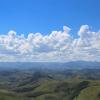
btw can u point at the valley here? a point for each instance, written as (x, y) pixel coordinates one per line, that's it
(46, 83)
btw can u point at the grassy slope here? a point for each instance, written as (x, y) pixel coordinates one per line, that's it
(90, 93)
(42, 86)
(7, 95)
(56, 90)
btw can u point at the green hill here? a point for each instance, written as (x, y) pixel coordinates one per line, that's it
(90, 93)
(50, 85)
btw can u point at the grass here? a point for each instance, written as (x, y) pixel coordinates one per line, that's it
(42, 86)
(90, 93)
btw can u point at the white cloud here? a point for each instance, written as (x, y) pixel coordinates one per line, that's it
(57, 46)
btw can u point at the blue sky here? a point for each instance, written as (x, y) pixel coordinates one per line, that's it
(44, 16)
(69, 30)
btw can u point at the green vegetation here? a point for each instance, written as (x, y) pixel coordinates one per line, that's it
(33, 84)
(90, 93)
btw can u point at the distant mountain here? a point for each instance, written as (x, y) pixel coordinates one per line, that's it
(49, 65)
(50, 81)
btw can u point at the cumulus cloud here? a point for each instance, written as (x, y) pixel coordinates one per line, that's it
(57, 46)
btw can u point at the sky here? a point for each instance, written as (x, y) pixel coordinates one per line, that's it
(49, 30)
(44, 16)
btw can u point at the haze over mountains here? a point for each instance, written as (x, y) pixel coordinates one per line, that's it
(50, 65)
(50, 80)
